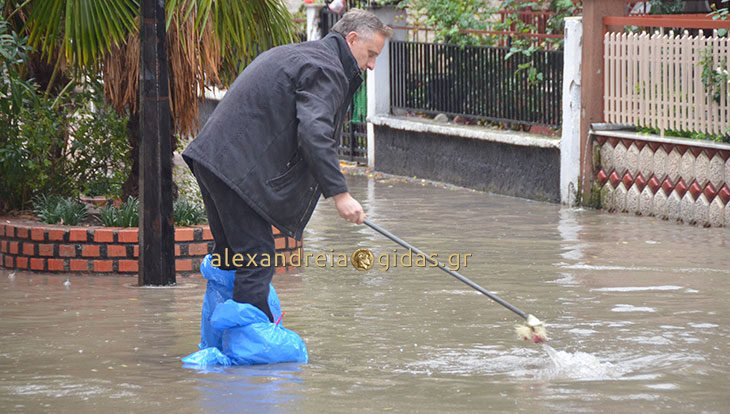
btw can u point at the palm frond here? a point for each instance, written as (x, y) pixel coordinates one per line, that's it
(88, 28)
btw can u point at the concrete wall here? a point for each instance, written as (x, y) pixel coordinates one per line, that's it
(570, 140)
(502, 162)
(673, 179)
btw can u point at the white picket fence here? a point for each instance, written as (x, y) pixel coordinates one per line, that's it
(655, 81)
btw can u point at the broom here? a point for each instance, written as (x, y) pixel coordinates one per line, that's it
(533, 328)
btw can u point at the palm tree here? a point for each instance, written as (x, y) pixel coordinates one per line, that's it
(208, 43)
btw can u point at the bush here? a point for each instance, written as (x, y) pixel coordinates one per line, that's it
(17, 161)
(55, 209)
(54, 145)
(187, 213)
(99, 148)
(127, 215)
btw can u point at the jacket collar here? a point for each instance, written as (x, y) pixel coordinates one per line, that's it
(337, 43)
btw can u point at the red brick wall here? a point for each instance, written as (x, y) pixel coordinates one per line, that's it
(102, 250)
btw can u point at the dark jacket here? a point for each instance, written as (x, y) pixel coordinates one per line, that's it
(273, 138)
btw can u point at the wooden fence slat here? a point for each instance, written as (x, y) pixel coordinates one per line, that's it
(723, 113)
(607, 74)
(674, 79)
(685, 73)
(633, 79)
(625, 89)
(701, 98)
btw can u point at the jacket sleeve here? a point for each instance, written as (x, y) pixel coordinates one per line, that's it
(320, 92)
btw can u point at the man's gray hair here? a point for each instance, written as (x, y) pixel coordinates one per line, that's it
(362, 22)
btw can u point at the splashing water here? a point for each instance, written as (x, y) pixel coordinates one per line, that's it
(578, 366)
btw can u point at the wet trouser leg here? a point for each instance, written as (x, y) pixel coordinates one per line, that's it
(238, 230)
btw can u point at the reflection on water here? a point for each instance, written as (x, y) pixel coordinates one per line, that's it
(636, 311)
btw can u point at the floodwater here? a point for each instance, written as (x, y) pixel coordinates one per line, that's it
(636, 311)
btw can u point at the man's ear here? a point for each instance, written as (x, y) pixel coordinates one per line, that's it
(351, 37)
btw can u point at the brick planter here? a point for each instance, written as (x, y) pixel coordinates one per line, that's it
(28, 245)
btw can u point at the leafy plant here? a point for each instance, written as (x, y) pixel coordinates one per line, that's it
(56, 209)
(666, 6)
(715, 75)
(98, 146)
(722, 13)
(527, 45)
(126, 215)
(53, 145)
(449, 18)
(686, 134)
(16, 95)
(187, 213)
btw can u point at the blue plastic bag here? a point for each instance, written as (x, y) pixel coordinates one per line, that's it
(249, 338)
(206, 357)
(243, 343)
(219, 289)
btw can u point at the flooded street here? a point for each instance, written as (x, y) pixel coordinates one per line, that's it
(636, 312)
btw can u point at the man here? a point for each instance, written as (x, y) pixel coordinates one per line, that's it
(269, 150)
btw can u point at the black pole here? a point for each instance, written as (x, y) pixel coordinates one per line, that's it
(156, 231)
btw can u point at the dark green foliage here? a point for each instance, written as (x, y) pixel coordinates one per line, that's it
(61, 145)
(16, 94)
(721, 13)
(56, 209)
(448, 17)
(666, 6)
(127, 215)
(714, 77)
(686, 134)
(187, 213)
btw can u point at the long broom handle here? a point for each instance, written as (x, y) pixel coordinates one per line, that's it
(451, 272)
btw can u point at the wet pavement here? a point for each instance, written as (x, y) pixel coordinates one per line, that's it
(636, 311)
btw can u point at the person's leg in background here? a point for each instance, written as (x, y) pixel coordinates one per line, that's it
(239, 229)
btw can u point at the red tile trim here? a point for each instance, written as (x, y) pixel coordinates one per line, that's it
(724, 195)
(710, 192)
(695, 190)
(681, 188)
(640, 182)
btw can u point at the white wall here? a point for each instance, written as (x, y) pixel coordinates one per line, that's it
(570, 140)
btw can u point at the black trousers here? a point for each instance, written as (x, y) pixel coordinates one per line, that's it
(238, 230)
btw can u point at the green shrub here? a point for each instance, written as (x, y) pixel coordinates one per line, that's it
(99, 148)
(62, 144)
(56, 209)
(685, 134)
(17, 161)
(187, 213)
(127, 215)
